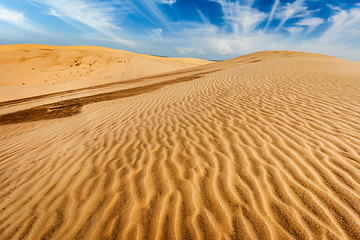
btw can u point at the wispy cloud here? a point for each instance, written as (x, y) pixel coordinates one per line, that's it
(290, 10)
(221, 45)
(242, 18)
(246, 36)
(200, 51)
(271, 16)
(16, 18)
(311, 23)
(202, 16)
(219, 28)
(294, 31)
(11, 16)
(343, 23)
(96, 15)
(186, 50)
(156, 35)
(170, 2)
(153, 9)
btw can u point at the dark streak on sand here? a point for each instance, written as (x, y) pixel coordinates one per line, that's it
(17, 101)
(72, 107)
(252, 61)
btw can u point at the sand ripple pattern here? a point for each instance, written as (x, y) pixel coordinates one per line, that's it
(261, 150)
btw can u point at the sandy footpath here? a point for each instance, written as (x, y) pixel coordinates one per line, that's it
(264, 146)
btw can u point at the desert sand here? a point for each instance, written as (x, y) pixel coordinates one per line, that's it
(264, 146)
(32, 69)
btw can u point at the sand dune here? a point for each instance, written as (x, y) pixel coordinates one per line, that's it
(27, 64)
(264, 146)
(30, 69)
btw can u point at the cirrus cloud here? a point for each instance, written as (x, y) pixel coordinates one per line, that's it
(219, 28)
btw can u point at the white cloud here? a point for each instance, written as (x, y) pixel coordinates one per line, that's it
(332, 49)
(157, 32)
(239, 34)
(246, 2)
(294, 31)
(217, 40)
(152, 7)
(221, 46)
(197, 29)
(17, 19)
(202, 16)
(11, 16)
(276, 3)
(311, 23)
(170, 2)
(185, 50)
(344, 23)
(290, 10)
(156, 35)
(200, 51)
(94, 14)
(242, 18)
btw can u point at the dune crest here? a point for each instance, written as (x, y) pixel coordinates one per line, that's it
(264, 146)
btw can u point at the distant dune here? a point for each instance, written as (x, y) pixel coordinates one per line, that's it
(76, 66)
(264, 146)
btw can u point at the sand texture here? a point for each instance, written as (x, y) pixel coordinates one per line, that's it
(264, 146)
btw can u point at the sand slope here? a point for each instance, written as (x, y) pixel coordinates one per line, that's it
(265, 146)
(31, 64)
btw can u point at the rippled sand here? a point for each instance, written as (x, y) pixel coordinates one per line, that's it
(265, 146)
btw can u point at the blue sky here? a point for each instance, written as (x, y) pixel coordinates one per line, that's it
(208, 29)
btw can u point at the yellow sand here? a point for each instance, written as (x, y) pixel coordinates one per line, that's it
(26, 67)
(264, 146)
